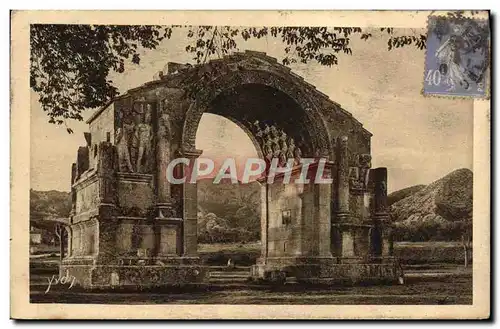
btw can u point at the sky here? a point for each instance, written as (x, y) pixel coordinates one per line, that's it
(419, 139)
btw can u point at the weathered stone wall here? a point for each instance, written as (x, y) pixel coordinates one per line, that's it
(101, 130)
(87, 195)
(168, 240)
(85, 238)
(124, 237)
(342, 123)
(358, 209)
(299, 217)
(135, 194)
(288, 205)
(102, 126)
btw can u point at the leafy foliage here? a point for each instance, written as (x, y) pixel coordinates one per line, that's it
(70, 64)
(303, 44)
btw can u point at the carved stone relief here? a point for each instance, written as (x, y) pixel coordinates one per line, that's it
(275, 143)
(358, 172)
(134, 138)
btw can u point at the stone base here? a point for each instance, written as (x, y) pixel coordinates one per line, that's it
(329, 270)
(174, 271)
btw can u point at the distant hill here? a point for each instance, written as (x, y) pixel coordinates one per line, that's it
(52, 203)
(428, 211)
(228, 207)
(419, 212)
(47, 208)
(401, 194)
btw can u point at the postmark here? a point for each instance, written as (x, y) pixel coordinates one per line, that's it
(457, 58)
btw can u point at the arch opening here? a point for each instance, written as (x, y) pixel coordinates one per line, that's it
(267, 96)
(228, 214)
(266, 113)
(278, 127)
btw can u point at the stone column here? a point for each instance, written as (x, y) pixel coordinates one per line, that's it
(375, 236)
(348, 243)
(343, 180)
(69, 244)
(344, 246)
(362, 242)
(163, 157)
(73, 191)
(387, 243)
(190, 218)
(263, 217)
(336, 241)
(103, 242)
(324, 220)
(380, 217)
(378, 179)
(106, 171)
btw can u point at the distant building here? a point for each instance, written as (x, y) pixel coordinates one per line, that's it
(35, 235)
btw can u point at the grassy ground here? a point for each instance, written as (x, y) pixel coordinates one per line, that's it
(427, 244)
(429, 252)
(215, 247)
(409, 253)
(450, 290)
(431, 279)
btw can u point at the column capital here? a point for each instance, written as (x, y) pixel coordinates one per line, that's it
(382, 218)
(165, 210)
(189, 153)
(341, 217)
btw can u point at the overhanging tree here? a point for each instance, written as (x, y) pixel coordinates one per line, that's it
(70, 64)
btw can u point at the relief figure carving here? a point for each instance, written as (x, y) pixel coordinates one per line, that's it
(142, 139)
(123, 136)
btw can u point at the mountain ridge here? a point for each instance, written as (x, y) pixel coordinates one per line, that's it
(430, 211)
(419, 212)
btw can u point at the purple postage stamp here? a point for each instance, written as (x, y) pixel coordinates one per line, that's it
(457, 58)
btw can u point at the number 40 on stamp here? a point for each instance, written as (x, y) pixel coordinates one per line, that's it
(457, 58)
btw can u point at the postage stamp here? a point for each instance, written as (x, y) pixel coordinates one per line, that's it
(456, 63)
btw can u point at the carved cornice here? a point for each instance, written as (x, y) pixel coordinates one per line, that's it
(189, 153)
(135, 212)
(85, 216)
(134, 177)
(86, 179)
(347, 226)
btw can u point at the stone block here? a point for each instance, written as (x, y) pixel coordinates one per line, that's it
(147, 237)
(135, 277)
(168, 240)
(347, 244)
(135, 194)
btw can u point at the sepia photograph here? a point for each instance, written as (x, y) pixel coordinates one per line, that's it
(242, 159)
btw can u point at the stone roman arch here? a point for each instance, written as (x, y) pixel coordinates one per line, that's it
(293, 89)
(143, 229)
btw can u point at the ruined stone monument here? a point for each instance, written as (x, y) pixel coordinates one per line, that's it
(130, 226)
